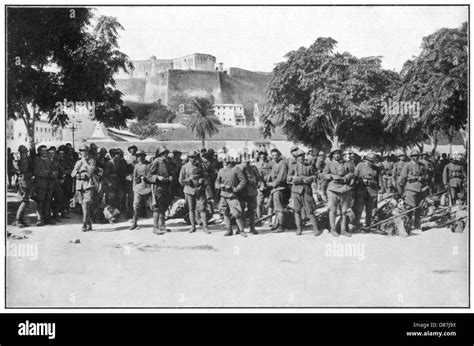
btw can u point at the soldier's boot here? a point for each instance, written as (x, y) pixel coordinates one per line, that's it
(299, 223)
(279, 228)
(156, 224)
(192, 219)
(241, 226)
(204, 223)
(314, 222)
(85, 218)
(134, 220)
(252, 222)
(228, 226)
(161, 223)
(89, 218)
(332, 223)
(344, 226)
(20, 216)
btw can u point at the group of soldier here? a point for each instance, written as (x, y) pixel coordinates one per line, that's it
(245, 188)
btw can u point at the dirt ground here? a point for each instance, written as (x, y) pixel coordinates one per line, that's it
(115, 267)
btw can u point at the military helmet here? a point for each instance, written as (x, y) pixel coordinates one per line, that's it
(84, 147)
(371, 157)
(193, 153)
(163, 151)
(321, 153)
(333, 150)
(414, 152)
(93, 146)
(22, 149)
(298, 153)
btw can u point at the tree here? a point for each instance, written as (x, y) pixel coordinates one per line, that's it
(437, 80)
(148, 115)
(203, 122)
(321, 98)
(52, 56)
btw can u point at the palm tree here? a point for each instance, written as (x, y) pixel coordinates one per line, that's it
(203, 122)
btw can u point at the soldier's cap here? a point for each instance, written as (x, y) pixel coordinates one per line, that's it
(263, 152)
(414, 152)
(294, 148)
(141, 153)
(103, 150)
(93, 146)
(62, 147)
(162, 151)
(298, 153)
(52, 148)
(321, 153)
(132, 147)
(333, 150)
(119, 151)
(211, 151)
(193, 153)
(112, 151)
(371, 157)
(22, 149)
(84, 147)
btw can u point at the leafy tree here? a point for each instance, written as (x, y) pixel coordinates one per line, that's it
(54, 55)
(437, 80)
(148, 115)
(321, 98)
(203, 123)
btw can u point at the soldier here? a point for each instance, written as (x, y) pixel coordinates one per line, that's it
(67, 166)
(264, 167)
(83, 172)
(176, 164)
(339, 173)
(231, 182)
(43, 185)
(397, 171)
(291, 161)
(141, 186)
(160, 176)
(249, 194)
(425, 159)
(413, 180)
(301, 176)
(367, 175)
(114, 178)
(386, 175)
(454, 179)
(210, 176)
(131, 160)
(192, 178)
(23, 166)
(279, 186)
(321, 185)
(58, 175)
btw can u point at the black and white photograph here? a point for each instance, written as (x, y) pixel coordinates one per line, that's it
(221, 156)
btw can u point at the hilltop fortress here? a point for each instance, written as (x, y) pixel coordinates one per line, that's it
(176, 82)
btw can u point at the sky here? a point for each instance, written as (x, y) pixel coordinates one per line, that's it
(256, 38)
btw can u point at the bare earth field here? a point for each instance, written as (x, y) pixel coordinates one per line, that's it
(115, 267)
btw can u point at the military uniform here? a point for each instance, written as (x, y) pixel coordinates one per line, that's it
(131, 161)
(231, 181)
(249, 194)
(278, 197)
(430, 171)
(24, 170)
(160, 176)
(413, 180)
(192, 178)
(396, 173)
(454, 177)
(386, 177)
(58, 194)
(301, 176)
(264, 168)
(114, 178)
(367, 187)
(44, 188)
(83, 172)
(339, 174)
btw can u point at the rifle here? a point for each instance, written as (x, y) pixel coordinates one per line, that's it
(448, 222)
(392, 218)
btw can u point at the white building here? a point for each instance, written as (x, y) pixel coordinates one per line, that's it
(45, 133)
(230, 114)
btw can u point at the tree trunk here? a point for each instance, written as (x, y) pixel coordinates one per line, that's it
(465, 137)
(434, 142)
(203, 141)
(420, 147)
(334, 141)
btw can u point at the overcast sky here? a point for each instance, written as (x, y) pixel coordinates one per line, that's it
(256, 38)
